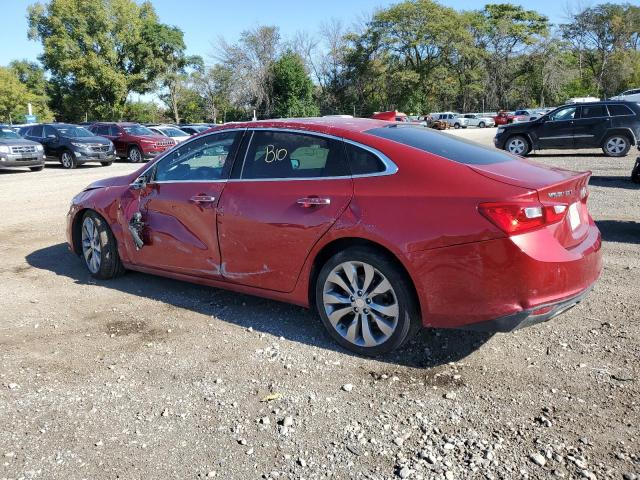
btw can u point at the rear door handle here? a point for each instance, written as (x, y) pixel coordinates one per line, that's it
(308, 202)
(203, 199)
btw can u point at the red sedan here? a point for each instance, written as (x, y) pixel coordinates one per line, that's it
(383, 228)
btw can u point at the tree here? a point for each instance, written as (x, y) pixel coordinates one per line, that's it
(100, 51)
(15, 96)
(32, 76)
(142, 112)
(602, 36)
(292, 88)
(215, 85)
(250, 60)
(176, 78)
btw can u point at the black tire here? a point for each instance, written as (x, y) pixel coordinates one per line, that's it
(68, 160)
(635, 173)
(110, 265)
(106, 164)
(515, 142)
(481, 125)
(36, 169)
(456, 126)
(616, 145)
(408, 321)
(135, 155)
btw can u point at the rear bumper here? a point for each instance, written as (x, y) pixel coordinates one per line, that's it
(504, 281)
(526, 318)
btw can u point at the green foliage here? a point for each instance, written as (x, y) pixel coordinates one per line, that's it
(98, 51)
(292, 88)
(16, 94)
(143, 112)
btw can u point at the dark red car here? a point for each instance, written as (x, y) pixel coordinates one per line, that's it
(132, 140)
(383, 228)
(503, 118)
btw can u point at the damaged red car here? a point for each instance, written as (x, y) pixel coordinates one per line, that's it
(382, 228)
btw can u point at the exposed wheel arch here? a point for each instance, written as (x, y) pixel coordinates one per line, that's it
(339, 244)
(76, 228)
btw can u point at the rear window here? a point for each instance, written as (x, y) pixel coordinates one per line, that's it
(363, 162)
(442, 144)
(619, 110)
(592, 111)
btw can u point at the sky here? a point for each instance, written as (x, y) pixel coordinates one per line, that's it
(204, 21)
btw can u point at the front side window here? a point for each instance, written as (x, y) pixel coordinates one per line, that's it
(619, 110)
(50, 132)
(593, 111)
(563, 114)
(205, 159)
(275, 155)
(36, 131)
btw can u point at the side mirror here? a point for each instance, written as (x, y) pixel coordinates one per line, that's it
(140, 183)
(52, 136)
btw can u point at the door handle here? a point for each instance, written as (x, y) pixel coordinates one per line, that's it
(203, 198)
(308, 202)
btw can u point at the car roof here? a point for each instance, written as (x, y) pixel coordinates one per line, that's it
(328, 125)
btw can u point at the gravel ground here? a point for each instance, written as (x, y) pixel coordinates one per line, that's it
(144, 377)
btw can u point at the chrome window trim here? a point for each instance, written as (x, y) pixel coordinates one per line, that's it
(181, 144)
(390, 167)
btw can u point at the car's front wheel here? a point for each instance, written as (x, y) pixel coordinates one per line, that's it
(366, 302)
(99, 249)
(481, 125)
(106, 164)
(135, 155)
(67, 160)
(517, 145)
(456, 125)
(616, 146)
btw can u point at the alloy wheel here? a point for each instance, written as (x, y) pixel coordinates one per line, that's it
(67, 160)
(516, 146)
(91, 248)
(361, 304)
(135, 155)
(616, 145)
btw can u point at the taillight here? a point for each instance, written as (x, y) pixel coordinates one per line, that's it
(519, 217)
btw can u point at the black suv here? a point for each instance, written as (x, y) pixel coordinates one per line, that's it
(611, 125)
(70, 144)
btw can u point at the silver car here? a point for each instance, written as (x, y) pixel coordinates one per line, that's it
(454, 119)
(479, 120)
(15, 151)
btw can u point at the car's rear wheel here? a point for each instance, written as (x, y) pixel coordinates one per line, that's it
(481, 125)
(99, 249)
(517, 145)
(36, 169)
(456, 125)
(135, 155)
(68, 160)
(366, 302)
(616, 145)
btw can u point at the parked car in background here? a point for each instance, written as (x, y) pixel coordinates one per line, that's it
(632, 95)
(170, 131)
(635, 172)
(523, 115)
(391, 116)
(479, 120)
(367, 221)
(612, 125)
(454, 119)
(583, 100)
(16, 151)
(132, 140)
(503, 118)
(194, 129)
(70, 144)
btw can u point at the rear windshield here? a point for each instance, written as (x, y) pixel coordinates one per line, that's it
(442, 144)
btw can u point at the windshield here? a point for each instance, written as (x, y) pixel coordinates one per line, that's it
(73, 131)
(8, 133)
(173, 132)
(138, 130)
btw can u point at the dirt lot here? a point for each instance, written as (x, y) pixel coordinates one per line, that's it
(144, 377)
